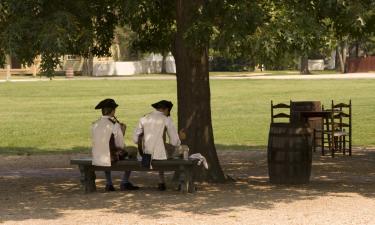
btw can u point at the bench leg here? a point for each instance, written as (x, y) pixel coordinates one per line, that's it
(87, 179)
(189, 179)
(187, 183)
(176, 176)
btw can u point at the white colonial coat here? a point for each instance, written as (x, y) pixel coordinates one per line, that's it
(152, 126)
(101, 131)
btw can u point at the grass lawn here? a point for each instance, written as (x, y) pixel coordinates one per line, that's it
(49, 116)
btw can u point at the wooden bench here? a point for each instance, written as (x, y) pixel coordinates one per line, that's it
(183, 167)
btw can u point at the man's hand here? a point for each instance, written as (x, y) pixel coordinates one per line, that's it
(123, 128)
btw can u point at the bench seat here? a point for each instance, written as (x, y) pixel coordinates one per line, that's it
(182, 167)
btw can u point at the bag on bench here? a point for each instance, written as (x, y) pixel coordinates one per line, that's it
(116, 153)
(146, 161)
(146, 158)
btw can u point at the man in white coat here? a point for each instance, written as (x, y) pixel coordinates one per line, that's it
(102, 131)
(152, 127)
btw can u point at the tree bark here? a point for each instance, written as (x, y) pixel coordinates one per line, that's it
(88, 66)
(193, 92)
(163, 61)
(342, 52)
(304, 65)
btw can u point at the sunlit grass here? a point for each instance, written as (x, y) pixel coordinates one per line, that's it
(55, 116)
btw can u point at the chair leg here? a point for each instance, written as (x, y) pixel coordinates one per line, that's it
(350, 145)
(330, 144)
(334, 145)
(313, 139)
(322, 143)
(344, 145)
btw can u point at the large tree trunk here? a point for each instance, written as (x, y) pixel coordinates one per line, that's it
(304, 65)
(193, 92)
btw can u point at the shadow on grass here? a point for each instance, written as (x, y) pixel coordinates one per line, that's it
(240, 147)
(39, 151)
(50, 197)
(81, 149)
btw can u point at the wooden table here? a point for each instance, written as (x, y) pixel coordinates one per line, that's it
(296, 107)
(315, 114)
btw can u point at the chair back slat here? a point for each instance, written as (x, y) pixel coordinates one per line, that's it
(281, 106)
(280, 115)
(341, 114)
(345, 125)
(341, 105)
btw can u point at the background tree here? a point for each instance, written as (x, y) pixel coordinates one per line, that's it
(125, 38)
(153, 24)
(55, 28)
(307, 28)
(345, 21)
(289, 33)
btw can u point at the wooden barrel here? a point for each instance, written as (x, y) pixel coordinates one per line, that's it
(289, 153)
(69, 72)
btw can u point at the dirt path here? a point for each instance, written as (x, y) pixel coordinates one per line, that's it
(45, 190)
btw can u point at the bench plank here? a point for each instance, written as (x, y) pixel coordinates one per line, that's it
(185, 167)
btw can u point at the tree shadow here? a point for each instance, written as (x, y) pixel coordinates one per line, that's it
(240, 147)
(49, 197)
(33, 150)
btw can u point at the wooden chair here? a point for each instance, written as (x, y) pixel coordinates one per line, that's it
(336, 129)
(281, 115)
(342, 122)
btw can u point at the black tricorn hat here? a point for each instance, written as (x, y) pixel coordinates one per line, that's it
(163, 104)
(106, 103)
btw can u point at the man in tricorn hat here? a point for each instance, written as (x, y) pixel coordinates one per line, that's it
(105, 130)
(152, 127)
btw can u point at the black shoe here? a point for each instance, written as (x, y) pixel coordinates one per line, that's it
(162, 187)
(109, 188)
(128, 186)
